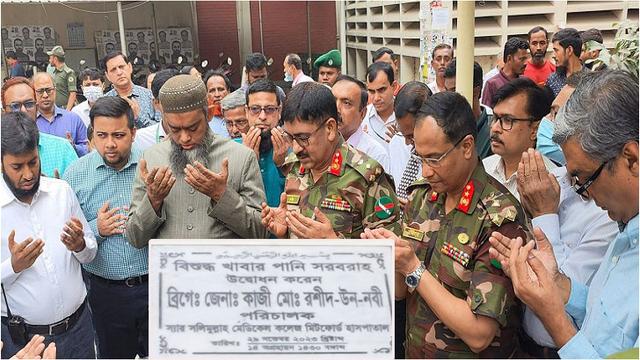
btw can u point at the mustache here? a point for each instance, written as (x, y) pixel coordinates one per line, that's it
(495, 137)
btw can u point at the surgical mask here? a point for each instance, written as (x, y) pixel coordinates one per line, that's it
(288, 76)
(92, 93)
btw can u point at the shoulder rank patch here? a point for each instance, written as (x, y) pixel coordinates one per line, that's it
(293, 199)
(335, 202)
(411, 233)
(467, 195)
(336, 163)
(455, 254)
(384, 207)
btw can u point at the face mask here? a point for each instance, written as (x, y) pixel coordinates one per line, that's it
(288, 76)
(92, 93)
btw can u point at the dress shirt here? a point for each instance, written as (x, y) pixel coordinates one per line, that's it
(376, 127)
(545, 144)
(368, 145)
(300, 78)
(606, 312)
(218, 126)
(144, 97)
(95, 183)
(83, 110)
(495, 167)
(580, 234)
(65, 122)
(433, 86)
(149, 136)
(55, 154)
(401, 153)
(52, 288)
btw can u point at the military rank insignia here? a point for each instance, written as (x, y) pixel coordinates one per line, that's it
(293, 199)
(336, 163)
(467, 195)
(463, 238)
(384, 207)
(433, 197)
(456, 254)
(411, 233)
(335, 202)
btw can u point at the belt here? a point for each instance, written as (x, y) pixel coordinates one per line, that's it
(128, 282)
(56, 328)
(538, 351)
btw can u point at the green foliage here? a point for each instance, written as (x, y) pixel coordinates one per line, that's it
(624, 55)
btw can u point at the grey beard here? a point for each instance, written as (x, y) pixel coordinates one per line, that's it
(179, 157)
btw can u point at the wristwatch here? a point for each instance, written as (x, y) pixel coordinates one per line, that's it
(413, 279)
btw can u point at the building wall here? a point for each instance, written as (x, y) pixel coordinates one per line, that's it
(396, 24)
(217, 32)
(284, 29)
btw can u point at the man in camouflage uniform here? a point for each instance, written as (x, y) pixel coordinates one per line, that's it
(332, 190)
(459, 305)
(64, 79)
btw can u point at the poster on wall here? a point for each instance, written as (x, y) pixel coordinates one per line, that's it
(172, 43)
(435, 27)
(29, 42)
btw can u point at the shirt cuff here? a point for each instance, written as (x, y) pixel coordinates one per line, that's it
(577, 304)
(219, 209)
(579, 347)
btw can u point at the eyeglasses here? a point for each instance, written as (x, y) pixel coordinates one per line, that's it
(303, 139)
(238, 124)
(17, 106)
(432, 162)
(48, 90)
(506, 121)
(581, 189)
(256, 110)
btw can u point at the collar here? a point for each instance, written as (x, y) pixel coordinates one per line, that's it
(471, 194)
(7, 197)
(97, 161)
(56, 112)
(298, 77)
(337, 165)
(505, 75)
(356, 137)
(630, 230)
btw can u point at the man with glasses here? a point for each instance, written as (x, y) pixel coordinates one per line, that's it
(600, 142)
(332, 190)
(57, 121)
(265, 138)
(234, 114)
(579, 230)
(520, 105)
(459, 304)
(56, 154)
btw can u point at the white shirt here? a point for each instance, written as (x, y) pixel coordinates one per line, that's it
(52, 288)
(400, 153)
(433, 86)
(301, 78)
(83, 110)
(368, 145)
(149, 136)
(580, 234)
(494, 166)
(376, 127)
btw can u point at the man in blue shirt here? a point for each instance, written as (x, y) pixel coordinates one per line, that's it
(600, 142)
(15, 68)
(118, 70)
(118, 278)
(264, 138)
(57, 121)
(55, 153)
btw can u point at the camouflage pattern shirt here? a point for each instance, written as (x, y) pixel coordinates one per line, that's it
(460, 261)
(354, 193)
